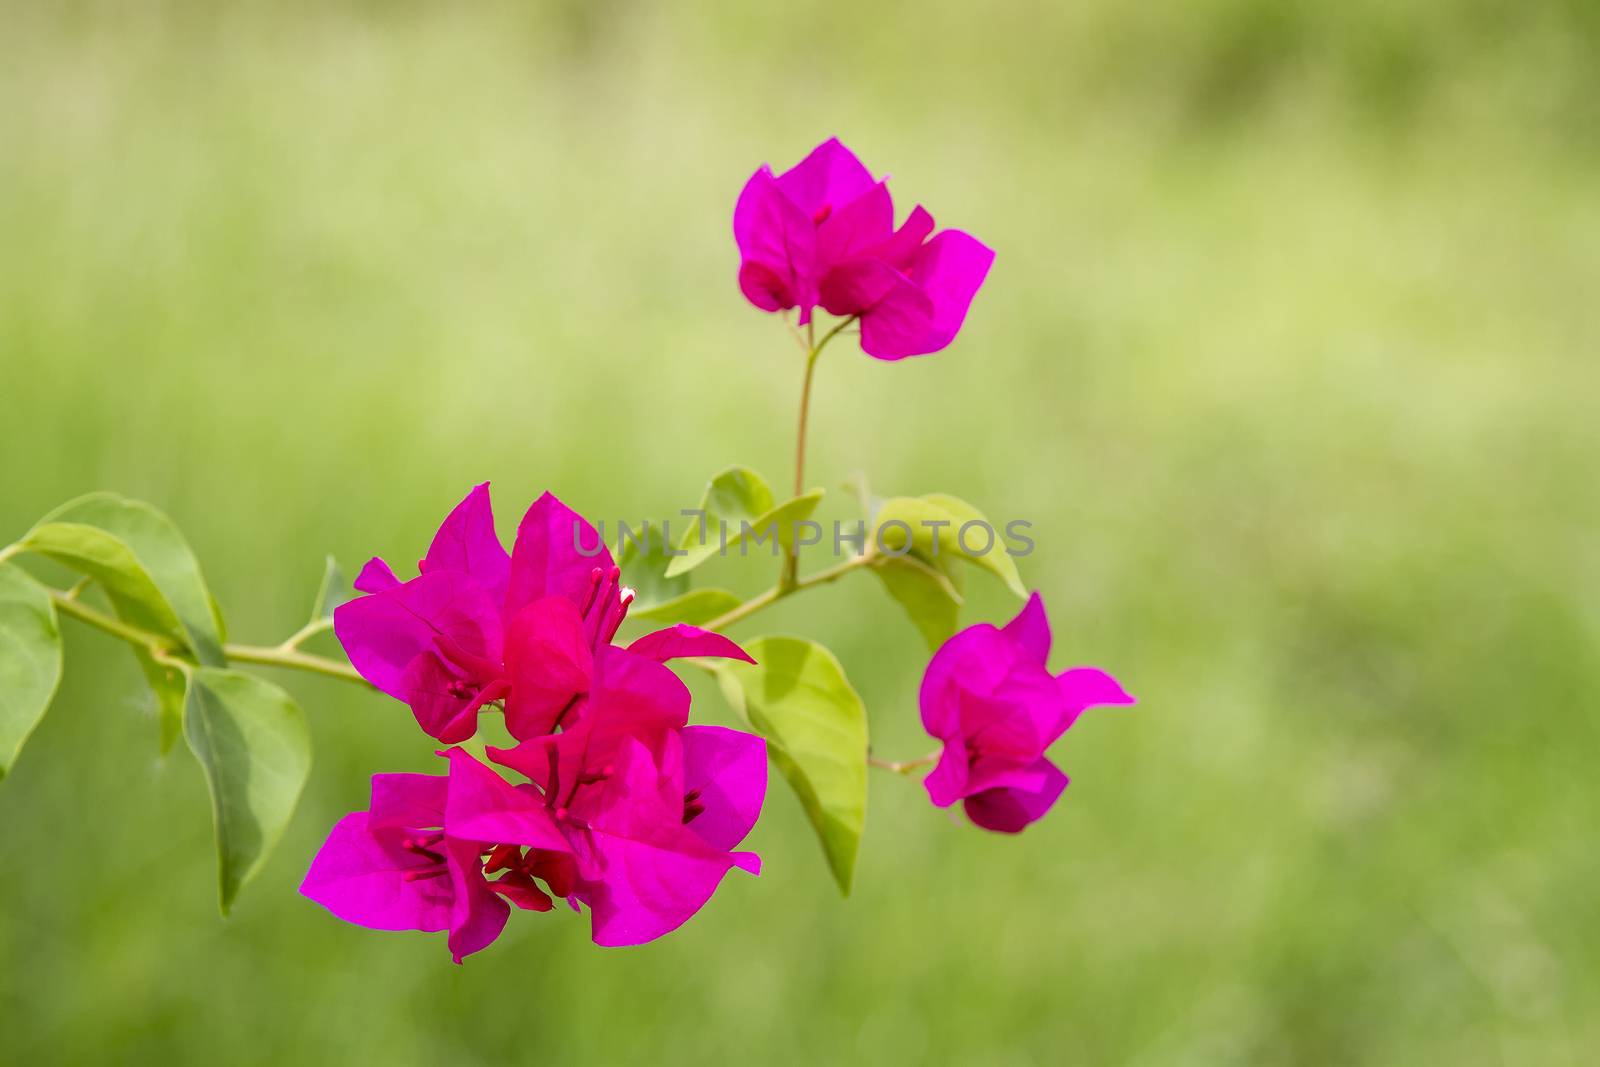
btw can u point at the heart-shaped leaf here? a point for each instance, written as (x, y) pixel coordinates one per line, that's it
(929, 596)
(251, 740)
(939, 525)
(795, 695)
(737, 505)
(125, 546)
(30, 659)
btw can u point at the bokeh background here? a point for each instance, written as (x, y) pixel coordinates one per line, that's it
(1289, 354)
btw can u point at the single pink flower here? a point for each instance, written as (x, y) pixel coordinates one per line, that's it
(988, 695)
(651, 808)
(823, 233)
(479, 625)
(405, 864)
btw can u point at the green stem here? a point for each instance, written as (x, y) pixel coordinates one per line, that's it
(152, 643)
(306, 633)
(902, 766)
(165, 650)
(9, 551)
(293, 659)
(781, 590)
(791, 560)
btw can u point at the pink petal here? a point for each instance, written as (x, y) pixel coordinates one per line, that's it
(556, 554)
(483, 807)
(860, 285)
(375, 577)
(855, 227)
(521, 890)
(950, 268)
(681, 639)
(1031, 629)
(407, 801)
(727, 769)
(445, 612)
(432, 689)
(467, 542)
(900, 249)
(359, 874)
(1086, 687)
(777, 246)
(549, 664)
(1011, 810)
(1018, 720)
(925, 313)
(898, 324)
(976, 659)
(828, 178)
(635, 693)
(478, 914)
(947, 782)
(650, 888)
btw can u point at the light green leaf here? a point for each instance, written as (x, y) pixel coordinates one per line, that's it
(151, 578)
(735, 499)
(161, 552)
(786, 515)
(934, 524)
(795, 695)
(930, 598)
(644, 569)
(334, 590)
(30, 659)
(252, 743)
(696, 607)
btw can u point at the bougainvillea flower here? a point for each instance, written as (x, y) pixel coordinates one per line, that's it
(479, 626)
(823, 233)
(911, 301)
(402, 864)
(988, 695)
(651, 808)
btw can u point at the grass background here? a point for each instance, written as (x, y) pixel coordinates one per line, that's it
(1289, 354)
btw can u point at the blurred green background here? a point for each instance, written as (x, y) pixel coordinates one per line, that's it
(1289, 354)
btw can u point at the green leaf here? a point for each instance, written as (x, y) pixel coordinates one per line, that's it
(161, 553)
(696, 607)
(644, 570)
(334, 590)
(795, 695)
(252, 743)
(30, 659)
(934, 523)
(151, 578)
(930, 598)
(737, 501)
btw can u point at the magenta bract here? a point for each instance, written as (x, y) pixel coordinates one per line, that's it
(626, 809)
(989, 697)
(822, 233)
(479, 626)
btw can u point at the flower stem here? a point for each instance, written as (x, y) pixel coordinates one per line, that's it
(902, 766)
(791, 560)
(165, 650)
(781, 590)
(805, 411)
(305, 633)
(293, 659)
(68, 604)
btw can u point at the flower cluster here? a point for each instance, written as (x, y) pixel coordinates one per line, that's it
(823, 234)
(619, 806)
(989, 697)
